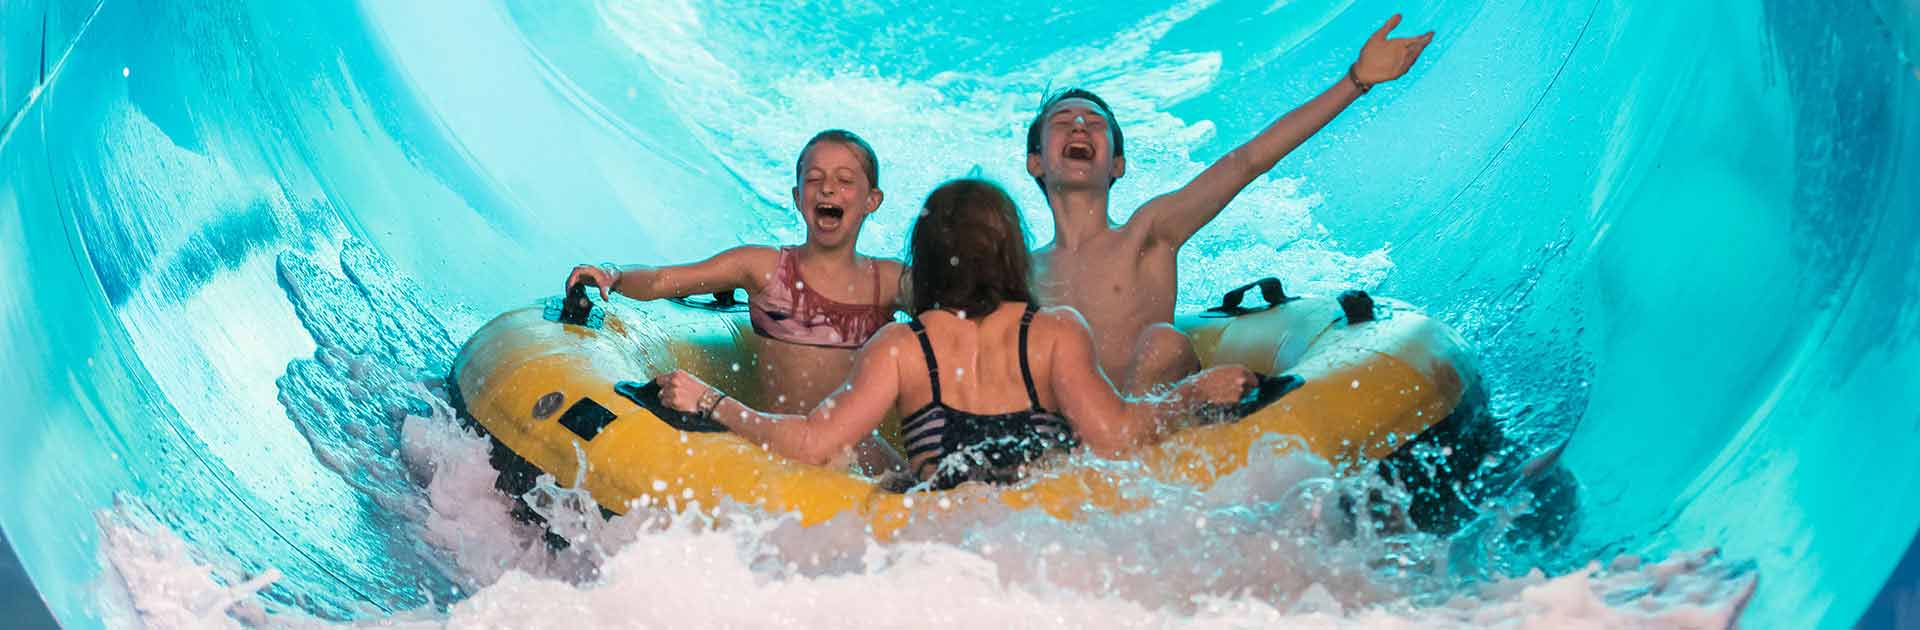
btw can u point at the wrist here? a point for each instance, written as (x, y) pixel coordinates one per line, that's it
(613, 274)
(1353, 78)
(709, 401)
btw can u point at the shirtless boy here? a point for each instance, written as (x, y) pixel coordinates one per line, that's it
(1122, 278)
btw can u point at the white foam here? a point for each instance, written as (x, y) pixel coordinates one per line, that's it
(1267, 546)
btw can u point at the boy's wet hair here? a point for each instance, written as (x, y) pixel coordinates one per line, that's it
(868, 158)
(968, 250)
(1033, 128)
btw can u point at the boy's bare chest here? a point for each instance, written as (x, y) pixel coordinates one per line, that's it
(1102, 276)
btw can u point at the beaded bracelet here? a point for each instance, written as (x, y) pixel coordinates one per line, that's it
(1363, 87)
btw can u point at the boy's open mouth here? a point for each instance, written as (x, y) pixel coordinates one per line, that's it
(829, 211)
(1077, 151)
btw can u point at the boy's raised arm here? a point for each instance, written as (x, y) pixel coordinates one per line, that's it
(1174, 217)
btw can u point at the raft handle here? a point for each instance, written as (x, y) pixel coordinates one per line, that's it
(1266, 391)
(722, 302)
(576, 307)
(1358, 306)
(1270, 290)
(648, 396)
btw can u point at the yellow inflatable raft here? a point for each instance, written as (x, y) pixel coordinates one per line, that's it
(567, 399)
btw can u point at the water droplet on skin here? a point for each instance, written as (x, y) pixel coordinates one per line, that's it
(799, 284)
(1356, 383)
(735, 367)
(953, 261)
(687, 494)
(659, 486)
(907, 502)
(946, 503)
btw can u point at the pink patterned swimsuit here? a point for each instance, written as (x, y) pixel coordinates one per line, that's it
(789, 310)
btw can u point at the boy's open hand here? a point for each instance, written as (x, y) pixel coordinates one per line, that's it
(1383, 59)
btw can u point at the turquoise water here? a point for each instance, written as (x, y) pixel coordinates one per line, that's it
(237, 234)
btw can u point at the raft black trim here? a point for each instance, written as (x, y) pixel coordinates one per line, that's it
(722, 302)
(586, 418)
(648, 396)
(1270, 290)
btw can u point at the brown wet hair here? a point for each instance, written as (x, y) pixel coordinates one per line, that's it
(868, 158)
(968, 251)
(1033, 128)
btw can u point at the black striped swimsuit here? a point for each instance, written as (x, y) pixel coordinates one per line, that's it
(960, 447)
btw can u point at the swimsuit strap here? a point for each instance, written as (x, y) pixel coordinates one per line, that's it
(933, 367)
(789, 268)
(1026, 373)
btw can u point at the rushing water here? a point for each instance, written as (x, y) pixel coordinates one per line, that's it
(243, 240)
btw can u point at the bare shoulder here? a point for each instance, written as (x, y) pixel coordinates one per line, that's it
(1062, 322)
(1143, 227)
(755, 256)
(755, 262)
(889, 340)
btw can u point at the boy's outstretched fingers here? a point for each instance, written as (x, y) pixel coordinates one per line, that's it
(1381, 35)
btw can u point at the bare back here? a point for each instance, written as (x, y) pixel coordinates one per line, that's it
(979, 361)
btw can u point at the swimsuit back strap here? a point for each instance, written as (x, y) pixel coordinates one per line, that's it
(1026, 372)
(926, 348)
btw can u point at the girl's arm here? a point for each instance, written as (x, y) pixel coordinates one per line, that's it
(725, 271)
(847, 416)
(1113, 426)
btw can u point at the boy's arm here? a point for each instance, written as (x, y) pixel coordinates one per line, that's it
(724, 271)
(1174, 217)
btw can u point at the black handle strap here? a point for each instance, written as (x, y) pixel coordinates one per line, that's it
(1358, 307)
(1266, 391)
(1270, 290)
(722, 302)
(576, 306)
(648, 396)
